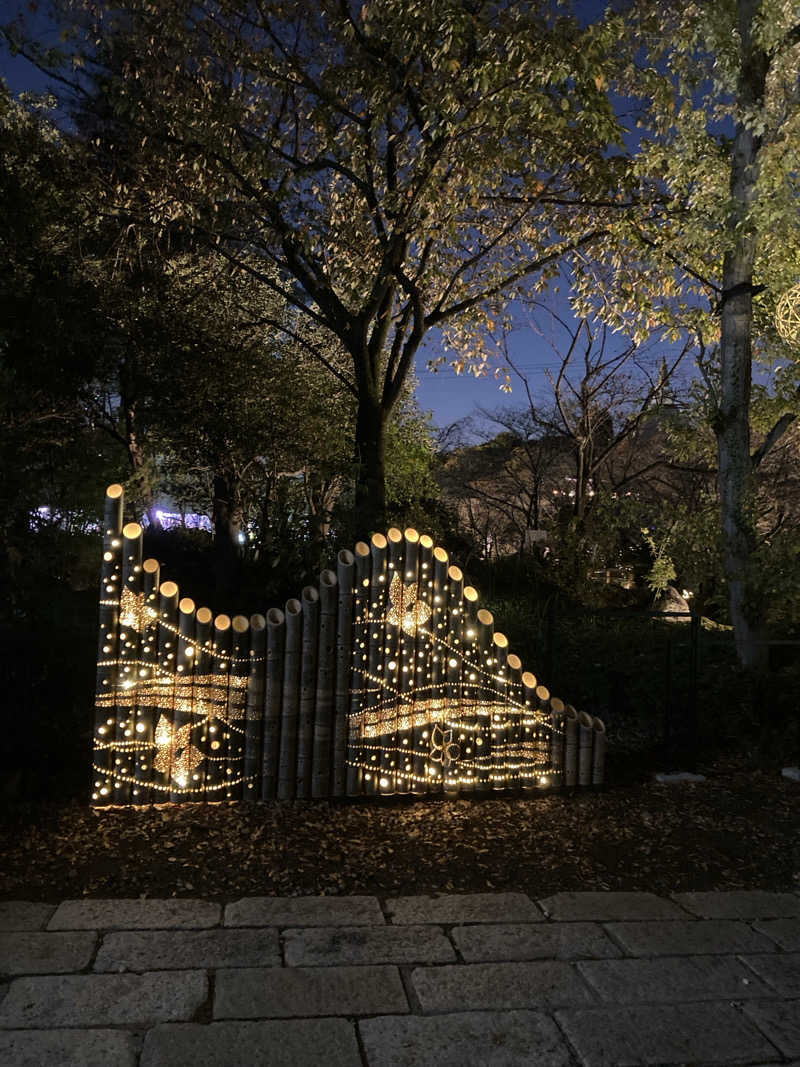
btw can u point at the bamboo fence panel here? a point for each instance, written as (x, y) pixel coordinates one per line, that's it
(290, 701)
(251, 790)
(272, 742)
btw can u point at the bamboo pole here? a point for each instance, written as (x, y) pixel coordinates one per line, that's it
(557, 723)
(148, 686)
(441, 739)
(499, 727)
(290, 701)
(183, 717)
(599, 751)
(584, 749)
(356, 754)
(217, 763)
(483, 735)
(434, 690)
(545, 745)
(514, 737)
(163, 713)
(236, 726)
(326, 684)
(308, 690)
(469, 700)
(345, 571)
(374, 696)
(273, 696)
(409, 740)
(570, 747)
(530, 732)
(131, 622)
(411, 661)
(202, 668)
(107, 647)
(392, 658)
(251, 788)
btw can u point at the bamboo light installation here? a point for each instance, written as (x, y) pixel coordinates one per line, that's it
(387, 678)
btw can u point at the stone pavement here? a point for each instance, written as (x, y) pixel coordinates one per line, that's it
(496, 979)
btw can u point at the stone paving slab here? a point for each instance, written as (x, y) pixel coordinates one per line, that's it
(781, 971)
(288, 1043)
(24, 915)
(498, 986)
(552, 941)
(609, 906)
(690, 938)
(363, 945)
(684, 1034)
(452, 908)
(784, 932)
(103, 1000)
(672, 979)
(68, 1048)
(134, 915)
(476, 1039)
(289, 992)
(305, 911)
(780, 1021)
(46, 953)
(740, 904)
(167, 950)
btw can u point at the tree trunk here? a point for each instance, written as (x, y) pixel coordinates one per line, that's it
(733, 419)
(370, 506)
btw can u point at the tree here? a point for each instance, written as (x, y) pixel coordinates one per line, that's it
(398, 167)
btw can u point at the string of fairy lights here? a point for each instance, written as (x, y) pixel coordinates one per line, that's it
(434, 701)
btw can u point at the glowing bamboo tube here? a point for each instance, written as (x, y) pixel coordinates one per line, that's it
(251, 788)
(344, 650)
(308, 690)
(377, 598)
(148, 686)
(181, 777)
(167, 643)
(529, 772)
(584, 749)
(322, 747)
(469, 700)
(290, 701)
(557, 722)
(409, 740)
(355, 722)
(202, 693)
(514, 758)
(217, 763)
(544, 733)
(131, 622)
(392, 659)
(483, 734)
(499, 727)
(571, 747)
(439, 770)
(598, 751)
(107, 647)
(437, 669)
(271, 744)
(237, 707)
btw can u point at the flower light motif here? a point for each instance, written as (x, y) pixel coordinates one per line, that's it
(406, 609)
(175, 753)
(787, 316)
(133, 611)
(444, 749)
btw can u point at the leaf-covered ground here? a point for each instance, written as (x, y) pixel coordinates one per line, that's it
(738, 829)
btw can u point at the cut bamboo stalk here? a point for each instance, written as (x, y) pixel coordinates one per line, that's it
(272, 740)
(236, 726)
(514, 736)
(308, 690)
(107, 647)
(483, 734)
(437, 671)
(392, 660)
(410, 740)
(326, 684)
(411, 660)
(217, 763)
(557, 722)
(181, 784)
(441, 740)
(147, 704)
(251, 788)
(131, 622)
(356, 754)
(469, 700)
(530, 732)
(345, 572)
(584, 749)
(373, 693)
(598, 751)
(167, 642)
(290, 701)
(545, 735)
(499, 726)
(203, 692)
(570, 747)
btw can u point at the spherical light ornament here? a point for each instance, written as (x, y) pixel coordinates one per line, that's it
(787, 316)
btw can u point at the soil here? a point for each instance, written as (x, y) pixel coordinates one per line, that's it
(739, 829)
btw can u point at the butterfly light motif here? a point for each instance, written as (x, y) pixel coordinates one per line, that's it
(406, 609)
(175, 753)
(444, 749)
